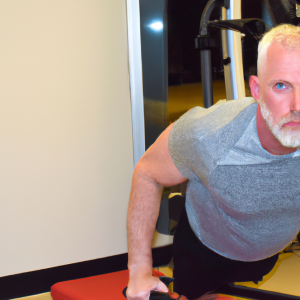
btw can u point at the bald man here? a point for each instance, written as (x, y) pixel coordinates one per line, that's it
(243, 198)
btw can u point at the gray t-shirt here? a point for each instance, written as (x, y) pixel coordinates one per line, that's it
(242, 202)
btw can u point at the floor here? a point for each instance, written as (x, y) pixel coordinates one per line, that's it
(286, 278)
(44, 296)
(183, 97)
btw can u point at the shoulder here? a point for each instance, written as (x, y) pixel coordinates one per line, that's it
(201, 121)
(202, 136)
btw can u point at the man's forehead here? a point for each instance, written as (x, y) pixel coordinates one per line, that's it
(280, 53)
(278, 61)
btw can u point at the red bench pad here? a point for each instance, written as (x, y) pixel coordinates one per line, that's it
(107, 286)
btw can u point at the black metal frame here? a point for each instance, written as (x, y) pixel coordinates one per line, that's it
(252, 293)
(204, 42)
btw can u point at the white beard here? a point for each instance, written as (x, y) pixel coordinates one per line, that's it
(286, 136)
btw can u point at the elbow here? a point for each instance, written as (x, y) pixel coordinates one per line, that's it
(144, 172)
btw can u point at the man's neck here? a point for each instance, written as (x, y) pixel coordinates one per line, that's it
(267, 139)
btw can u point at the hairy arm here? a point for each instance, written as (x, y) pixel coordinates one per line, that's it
(154, 171)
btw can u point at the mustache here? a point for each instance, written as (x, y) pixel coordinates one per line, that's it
(293, 116)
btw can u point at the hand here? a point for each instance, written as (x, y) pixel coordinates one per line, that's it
(140, 286)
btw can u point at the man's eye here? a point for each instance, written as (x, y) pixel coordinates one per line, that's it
(280, 86)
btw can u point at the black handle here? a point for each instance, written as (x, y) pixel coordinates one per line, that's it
(154, 295)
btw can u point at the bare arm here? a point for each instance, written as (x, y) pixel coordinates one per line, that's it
(154, 170)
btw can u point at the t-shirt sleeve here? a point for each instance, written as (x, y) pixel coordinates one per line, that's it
(183, 141)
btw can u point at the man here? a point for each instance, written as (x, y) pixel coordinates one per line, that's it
(243, 197)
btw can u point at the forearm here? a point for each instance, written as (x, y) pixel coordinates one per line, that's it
(143, 211)
(154, 170)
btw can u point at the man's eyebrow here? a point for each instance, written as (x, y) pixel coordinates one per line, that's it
(278, 81)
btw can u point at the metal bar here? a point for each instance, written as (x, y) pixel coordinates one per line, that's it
(206, 78)
(227, 70)
(205, 17)
(235, 52)
(136, 82)
(252, 293)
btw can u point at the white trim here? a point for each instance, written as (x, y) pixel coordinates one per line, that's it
(235, 52)
(227, 69)
(136, 81)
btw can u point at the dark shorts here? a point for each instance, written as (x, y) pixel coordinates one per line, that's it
(198, 270)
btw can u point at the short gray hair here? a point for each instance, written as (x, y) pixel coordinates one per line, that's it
(285, 34)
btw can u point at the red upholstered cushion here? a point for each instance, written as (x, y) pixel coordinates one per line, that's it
(107, 286)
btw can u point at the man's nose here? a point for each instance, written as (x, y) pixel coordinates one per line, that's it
(296, 101)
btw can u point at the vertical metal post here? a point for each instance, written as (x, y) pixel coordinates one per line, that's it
(206, 78)
(227, 69)
(235, 52)
(205, 52)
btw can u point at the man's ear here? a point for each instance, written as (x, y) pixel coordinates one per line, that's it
(254, 87)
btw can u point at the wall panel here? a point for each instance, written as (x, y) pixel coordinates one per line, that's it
(66, 156)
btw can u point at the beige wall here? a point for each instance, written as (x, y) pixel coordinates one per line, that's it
(65, 132)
